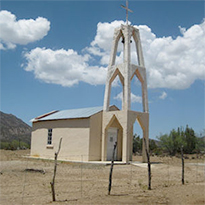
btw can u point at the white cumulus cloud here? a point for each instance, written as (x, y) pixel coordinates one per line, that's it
(63, 67)
(176, 63)
(170, 63)
(134, 98)
(21, 31)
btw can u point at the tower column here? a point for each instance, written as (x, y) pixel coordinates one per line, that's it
(125, 139)
(107, 95)
(127, 31)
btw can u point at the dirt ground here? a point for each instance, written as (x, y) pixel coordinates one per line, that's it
(80, 183)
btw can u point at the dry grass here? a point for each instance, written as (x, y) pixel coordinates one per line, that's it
(87, 183)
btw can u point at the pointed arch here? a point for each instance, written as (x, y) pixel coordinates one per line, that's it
(114, 123)
(139, 72)
(136, 92)
(115, 74)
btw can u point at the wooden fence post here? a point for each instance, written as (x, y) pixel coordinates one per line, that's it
(111, 168)
(182, 157)
(54, 174)
(149, 165)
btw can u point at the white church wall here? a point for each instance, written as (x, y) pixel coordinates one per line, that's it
(95, 137)
(75, 142)
(38, 142)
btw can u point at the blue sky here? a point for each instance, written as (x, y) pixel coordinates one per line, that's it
(54, 56)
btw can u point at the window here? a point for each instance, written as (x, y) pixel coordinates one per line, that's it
(49, 142)
(111, 139)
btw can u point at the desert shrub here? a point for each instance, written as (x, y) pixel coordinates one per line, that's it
(14, 145)
(187, 138)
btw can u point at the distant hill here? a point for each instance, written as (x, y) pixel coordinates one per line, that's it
(13, 128)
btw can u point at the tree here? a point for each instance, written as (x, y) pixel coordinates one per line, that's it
(190, 139)
(200, 143)
(173, 141)
(166, 143)
(137, 144)
(152, 145)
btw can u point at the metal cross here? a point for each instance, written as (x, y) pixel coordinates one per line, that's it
(127, 9)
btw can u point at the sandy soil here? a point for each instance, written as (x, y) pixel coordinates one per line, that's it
(87, 183)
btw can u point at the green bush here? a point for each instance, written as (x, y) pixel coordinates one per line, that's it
(14, 145)
(187, 138)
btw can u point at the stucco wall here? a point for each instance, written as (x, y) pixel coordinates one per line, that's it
(95, 137)
(75, 142)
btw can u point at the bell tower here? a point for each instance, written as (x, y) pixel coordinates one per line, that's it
(124, 119)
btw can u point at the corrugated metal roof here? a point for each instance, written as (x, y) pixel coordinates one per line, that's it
(71, 114)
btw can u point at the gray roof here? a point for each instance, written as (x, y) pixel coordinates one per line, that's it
(69, 114)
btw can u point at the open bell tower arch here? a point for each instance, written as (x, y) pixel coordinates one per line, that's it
(126, 71)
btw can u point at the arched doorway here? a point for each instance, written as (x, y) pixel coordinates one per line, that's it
(113, 133)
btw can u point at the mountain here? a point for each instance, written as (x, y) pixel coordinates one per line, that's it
(13, 128)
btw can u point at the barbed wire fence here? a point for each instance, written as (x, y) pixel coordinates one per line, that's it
(75, 181)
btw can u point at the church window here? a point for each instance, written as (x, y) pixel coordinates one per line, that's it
(49, 141)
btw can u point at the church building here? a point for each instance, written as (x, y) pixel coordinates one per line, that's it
(89, 134)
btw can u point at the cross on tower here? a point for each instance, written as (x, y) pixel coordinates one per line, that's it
(127, 9)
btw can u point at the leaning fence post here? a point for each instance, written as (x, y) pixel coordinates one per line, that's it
(111, 168)
(182, 157)
(149, 165)
(54, 174)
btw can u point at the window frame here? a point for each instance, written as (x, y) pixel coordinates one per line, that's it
(50, 136)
